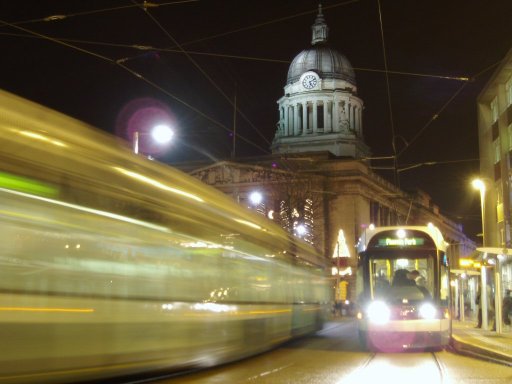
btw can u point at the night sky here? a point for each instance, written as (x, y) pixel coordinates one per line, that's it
(245, 47)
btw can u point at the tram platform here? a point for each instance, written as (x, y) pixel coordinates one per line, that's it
(481, 343)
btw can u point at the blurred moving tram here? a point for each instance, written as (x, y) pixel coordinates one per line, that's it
(112, 264)
(403, 289)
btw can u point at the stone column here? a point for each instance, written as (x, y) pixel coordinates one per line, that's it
(285, 120)
(355, 119)
(350, 117)
(354, 115)
(334, 117)
(304, 117)
(296, 119)
(315, 116)
(327, 118)
(290, 120)
(361, 122)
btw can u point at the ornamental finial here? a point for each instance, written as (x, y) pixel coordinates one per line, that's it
(319, 28)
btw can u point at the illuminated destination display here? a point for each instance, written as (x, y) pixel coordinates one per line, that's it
(406, 241)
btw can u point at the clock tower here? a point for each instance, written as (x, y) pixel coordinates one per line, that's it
(320, 110)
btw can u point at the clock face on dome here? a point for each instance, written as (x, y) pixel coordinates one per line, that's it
(309, 81)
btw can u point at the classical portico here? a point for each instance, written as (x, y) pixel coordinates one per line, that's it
(320, 110)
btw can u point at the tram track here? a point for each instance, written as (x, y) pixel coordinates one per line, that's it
(424, 367)
(440, 366)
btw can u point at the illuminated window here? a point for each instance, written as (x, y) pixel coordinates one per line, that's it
(497, 152)
(498, 194)
(494, 110)
(508, 91)
(509, 133)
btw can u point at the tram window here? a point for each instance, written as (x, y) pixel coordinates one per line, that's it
(359, 281)
(444, 291)
(389, 276)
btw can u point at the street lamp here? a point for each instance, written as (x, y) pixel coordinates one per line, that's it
(301, 230)
(256, 198)
(480, 185)
(161, 134)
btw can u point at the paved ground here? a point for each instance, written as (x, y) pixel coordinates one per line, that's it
(489, 345)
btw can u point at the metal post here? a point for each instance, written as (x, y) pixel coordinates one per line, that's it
(483, 297)
(461, 299)
(497, 300)
(136, 142)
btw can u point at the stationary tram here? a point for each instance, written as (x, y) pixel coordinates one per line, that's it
(112, 264)
(403, 288)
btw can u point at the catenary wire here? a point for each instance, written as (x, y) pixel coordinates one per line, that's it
(459, 90)
(208, 77)
(390, 108)
(241, 57)
(269, 22)
(135, 74)
(96, 11)
(432, 119)
(144, 47)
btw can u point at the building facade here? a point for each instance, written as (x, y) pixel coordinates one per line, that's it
(494, 105)
(318, 183)
(320, 109)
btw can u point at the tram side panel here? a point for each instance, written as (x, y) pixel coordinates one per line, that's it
(101, 272)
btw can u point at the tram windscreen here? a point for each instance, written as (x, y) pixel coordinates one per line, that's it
(394, 278)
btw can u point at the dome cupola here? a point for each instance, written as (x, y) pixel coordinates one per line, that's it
(320, 58)
(320, 109)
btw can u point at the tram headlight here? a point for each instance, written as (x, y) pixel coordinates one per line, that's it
(428, 311)
(378, 312)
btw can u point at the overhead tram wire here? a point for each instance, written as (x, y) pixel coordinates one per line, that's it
(103, 10)
(150, 48)
(145, 5)
(135, 74)
(203, 72)
(144, 47)
(432, 119)
(393, 135)
(459, 90)
(407, 167)
(254, 26)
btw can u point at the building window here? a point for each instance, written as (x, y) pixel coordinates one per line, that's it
(509, 134)
(374, 212)
(494, 110)
(498, 194)
(497, 171)
(508, 91)
(497, 151)
(495, 131)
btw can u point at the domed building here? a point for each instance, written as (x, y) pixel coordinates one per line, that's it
(318, 176)
(320, 110)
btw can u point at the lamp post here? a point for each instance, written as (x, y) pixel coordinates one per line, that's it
(256, 200)
(480, 185)
(162, 134)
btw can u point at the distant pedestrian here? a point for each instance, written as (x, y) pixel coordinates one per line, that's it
(490, 307)
(506, 307)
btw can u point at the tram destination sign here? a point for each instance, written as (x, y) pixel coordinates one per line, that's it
(401, 242)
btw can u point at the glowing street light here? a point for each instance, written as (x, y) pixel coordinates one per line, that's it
(301, 230)
(161, 134)
(255, 198)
